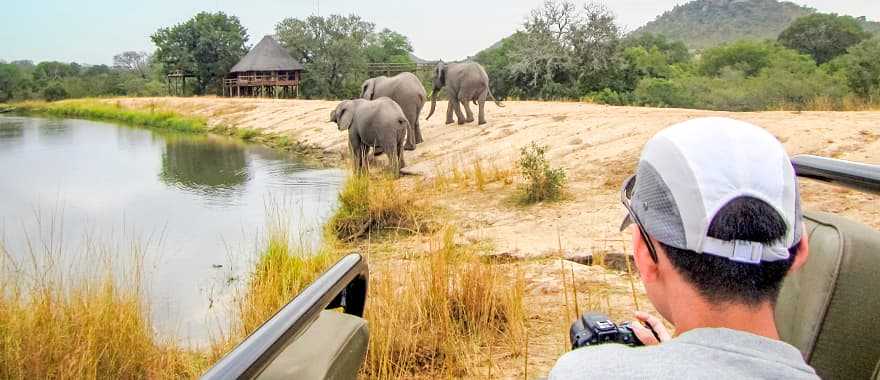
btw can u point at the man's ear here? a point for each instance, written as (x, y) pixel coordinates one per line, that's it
(648, 269)
(803, 252)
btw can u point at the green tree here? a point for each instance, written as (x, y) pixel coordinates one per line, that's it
(332, 49)
(674, 52)
(11, 79)
(823, 36)
(746, 56)
(388, 46)
(207, 46)
(861, 68)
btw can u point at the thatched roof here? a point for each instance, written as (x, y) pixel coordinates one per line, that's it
(268, 55)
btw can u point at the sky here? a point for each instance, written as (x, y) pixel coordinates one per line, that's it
(92, 31)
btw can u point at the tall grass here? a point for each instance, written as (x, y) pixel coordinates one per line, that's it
(441, 313)
(370, 205)
(283, 268)
(88, 322)
(93, 109)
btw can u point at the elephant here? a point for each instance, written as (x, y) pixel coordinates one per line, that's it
(464, 82)
(406, 89)
(378, 124)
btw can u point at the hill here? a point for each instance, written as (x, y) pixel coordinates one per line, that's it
(706, 23)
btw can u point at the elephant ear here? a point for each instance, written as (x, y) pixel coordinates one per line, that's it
(369, 89)
(344, 115)
(441, 72)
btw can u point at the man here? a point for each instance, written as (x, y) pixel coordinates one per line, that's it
(716, 225)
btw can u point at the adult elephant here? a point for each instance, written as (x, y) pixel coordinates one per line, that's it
(407, 91)
(464, 82)
(377, 124)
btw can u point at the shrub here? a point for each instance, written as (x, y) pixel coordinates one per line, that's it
(375, 204)
(746, 56)
(663, 93)
(53, 92)
(541, 181)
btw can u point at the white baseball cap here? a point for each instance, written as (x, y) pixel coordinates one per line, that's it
(690, 171)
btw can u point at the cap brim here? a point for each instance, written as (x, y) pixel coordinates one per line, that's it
(627, 221)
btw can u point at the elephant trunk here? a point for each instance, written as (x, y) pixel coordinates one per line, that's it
(433, 103)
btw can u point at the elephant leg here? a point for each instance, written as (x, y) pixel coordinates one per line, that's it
(457, 108)
(482, 116)
(411, 137)
(394, 158)
(418, 132)
(467, 110)
(449, 109)
(377, 151)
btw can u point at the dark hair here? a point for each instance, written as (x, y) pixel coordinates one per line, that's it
(721, 280)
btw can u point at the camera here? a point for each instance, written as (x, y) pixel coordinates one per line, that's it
(596, 328)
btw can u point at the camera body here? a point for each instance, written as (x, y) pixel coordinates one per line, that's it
(594, 328)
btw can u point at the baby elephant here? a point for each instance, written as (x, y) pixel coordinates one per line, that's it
(374, 124)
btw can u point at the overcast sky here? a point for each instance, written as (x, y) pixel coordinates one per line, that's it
(93, 31)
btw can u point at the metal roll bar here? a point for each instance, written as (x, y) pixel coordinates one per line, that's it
(857, 176)
(343, 285)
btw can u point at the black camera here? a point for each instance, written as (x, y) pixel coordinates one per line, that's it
(595, 328)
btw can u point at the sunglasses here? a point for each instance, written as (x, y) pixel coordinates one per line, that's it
(626, 199)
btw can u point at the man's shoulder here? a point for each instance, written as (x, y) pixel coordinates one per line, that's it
(605, 361)
(706, 354)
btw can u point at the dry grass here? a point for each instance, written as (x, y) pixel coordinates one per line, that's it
(441, 314)
(78, 315)
(372, 205)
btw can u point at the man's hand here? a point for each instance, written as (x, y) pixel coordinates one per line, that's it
(645, 334)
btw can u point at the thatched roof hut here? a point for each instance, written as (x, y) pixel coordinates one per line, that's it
(267, 70)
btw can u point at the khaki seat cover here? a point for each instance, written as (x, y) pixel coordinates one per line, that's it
(333, 347)
(830, 309)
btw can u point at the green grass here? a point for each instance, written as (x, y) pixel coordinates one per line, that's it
(93, 109)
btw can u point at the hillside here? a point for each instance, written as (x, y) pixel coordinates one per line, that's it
(706, 23)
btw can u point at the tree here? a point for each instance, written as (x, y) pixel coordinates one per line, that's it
(206, 46)
(823, 36)
(388, 46)
(332, 50)
(132, 61)
(861, 68)
(746, 56)
(674, 52)
(566, 51)
(10, 80)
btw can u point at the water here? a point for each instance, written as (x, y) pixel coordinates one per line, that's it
(199, 200)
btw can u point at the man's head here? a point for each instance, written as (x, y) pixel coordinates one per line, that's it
(717, 201)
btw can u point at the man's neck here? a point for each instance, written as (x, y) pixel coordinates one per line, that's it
(694, 312)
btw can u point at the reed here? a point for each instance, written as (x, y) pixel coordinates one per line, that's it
(81, 314)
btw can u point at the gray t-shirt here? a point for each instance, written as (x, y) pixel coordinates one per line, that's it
(706, 353)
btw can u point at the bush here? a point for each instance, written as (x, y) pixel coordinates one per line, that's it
(371, 205)
(542, 183)
(746, 56)
(861, 68)
(660, 92)
(54, 91)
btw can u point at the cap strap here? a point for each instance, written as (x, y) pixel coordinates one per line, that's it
(744, 251)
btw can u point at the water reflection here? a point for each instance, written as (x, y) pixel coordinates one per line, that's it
(13, 129)
(204, 165)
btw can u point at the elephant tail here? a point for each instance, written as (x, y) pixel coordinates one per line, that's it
(497, 103)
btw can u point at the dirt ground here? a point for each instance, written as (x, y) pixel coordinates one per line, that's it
(597, 145)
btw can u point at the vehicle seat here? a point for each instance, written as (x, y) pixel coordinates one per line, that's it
(333, 347)
(830, 309)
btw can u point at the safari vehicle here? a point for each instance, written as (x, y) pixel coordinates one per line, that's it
(829, 309)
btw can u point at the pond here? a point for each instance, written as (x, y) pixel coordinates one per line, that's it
(196, 204)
